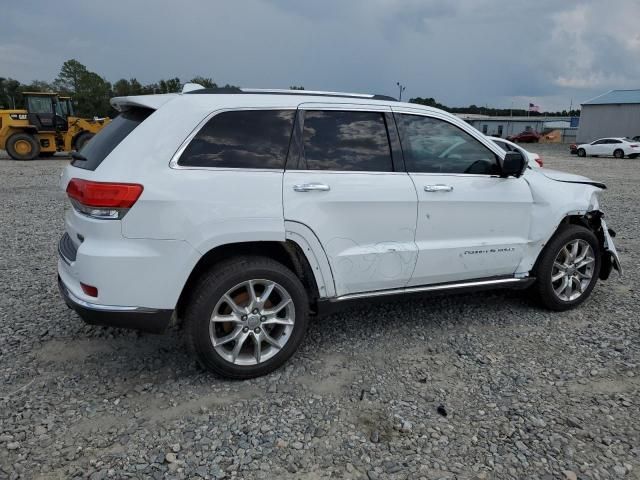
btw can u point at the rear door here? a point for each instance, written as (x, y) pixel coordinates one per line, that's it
(345, 181)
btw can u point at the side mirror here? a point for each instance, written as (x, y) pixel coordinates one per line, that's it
(513, 164)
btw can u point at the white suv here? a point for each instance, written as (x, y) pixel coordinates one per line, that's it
(243, 212)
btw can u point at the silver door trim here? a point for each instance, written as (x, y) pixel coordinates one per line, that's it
(431, 288)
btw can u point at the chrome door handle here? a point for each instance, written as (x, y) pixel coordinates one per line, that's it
(438, 188)
(311, 187)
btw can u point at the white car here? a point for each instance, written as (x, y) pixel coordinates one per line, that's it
(618, 147)
(244, 212)
(535, 160)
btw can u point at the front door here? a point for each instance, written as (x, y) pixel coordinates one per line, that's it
(471, 224)
(342, 184)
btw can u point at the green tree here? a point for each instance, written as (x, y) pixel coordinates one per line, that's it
(204, 81)
(37, 86)
(172, 85)
(122, 88)
(135, 86)
(294, 87)
(10, 94)
(70, 76)
(92, 95)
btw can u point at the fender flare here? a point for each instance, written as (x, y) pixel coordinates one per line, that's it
(312, 249)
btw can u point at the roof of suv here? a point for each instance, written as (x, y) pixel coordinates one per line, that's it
(238, 98)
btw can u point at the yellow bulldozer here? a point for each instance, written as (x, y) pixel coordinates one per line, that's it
(48, 125)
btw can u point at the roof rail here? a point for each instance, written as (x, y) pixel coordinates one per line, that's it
(265, 91)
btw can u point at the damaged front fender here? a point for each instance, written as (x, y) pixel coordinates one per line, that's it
(610, 259)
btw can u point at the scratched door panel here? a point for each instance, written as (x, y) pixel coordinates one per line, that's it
(365, 223)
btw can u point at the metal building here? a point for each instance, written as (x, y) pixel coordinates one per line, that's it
(613, 114)
(504, 127)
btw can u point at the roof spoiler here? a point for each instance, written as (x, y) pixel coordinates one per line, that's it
(154, 102)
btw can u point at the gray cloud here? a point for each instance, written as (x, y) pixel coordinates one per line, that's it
(469, 51)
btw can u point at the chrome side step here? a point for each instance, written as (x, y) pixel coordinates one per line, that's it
(509, 281)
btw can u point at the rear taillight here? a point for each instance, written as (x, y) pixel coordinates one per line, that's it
(540, 161)
(105, 200)
(634, 146)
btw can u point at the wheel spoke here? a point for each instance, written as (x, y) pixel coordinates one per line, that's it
(238, 346)
(585, 262)
(268, 290)
(560, 290)
(270, 340)
(237, 309)
(574, 249)
(559, 266)
(251, 287)
(583, 254)
(557, 276)
(257, 348)
(225, 319)
(578, 284)
(227, 338)
(278, 321)
(583, 275)
(278, 308)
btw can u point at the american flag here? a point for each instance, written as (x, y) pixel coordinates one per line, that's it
(534, 108)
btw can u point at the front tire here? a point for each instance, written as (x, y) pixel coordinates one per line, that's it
(618, 153)
(247, 317)
(568, 268)
(23, 146)
(582, 152)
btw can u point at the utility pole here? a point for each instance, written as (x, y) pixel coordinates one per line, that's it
(401, 89)
(571, 106)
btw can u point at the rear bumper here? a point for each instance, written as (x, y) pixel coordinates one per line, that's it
(136, 318)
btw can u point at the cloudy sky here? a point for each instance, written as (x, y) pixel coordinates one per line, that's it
(492, 52)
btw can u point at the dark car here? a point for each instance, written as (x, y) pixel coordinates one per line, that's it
(525, 137)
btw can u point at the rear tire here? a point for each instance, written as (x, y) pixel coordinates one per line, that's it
(633, 155)
(618, 153)
(582, 152)
(23, 146)
(570, 259)
(247, 339)
(82, 139)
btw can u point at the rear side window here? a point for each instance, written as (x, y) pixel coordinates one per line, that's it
(242, 139)
(431, 145)
(353, 141)
(96, 150)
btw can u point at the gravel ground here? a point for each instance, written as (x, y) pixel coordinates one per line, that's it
(474, 386)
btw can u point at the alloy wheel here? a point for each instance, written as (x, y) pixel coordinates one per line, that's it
(572, 270)
(252, 322)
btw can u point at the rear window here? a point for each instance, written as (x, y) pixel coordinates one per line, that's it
(109, 137)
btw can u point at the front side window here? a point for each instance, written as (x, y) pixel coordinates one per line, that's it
(346, 140)
(431, 145)
(40, 105)
(242, 139)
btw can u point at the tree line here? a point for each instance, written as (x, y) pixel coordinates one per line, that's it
(493, 112)
(91, 92)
